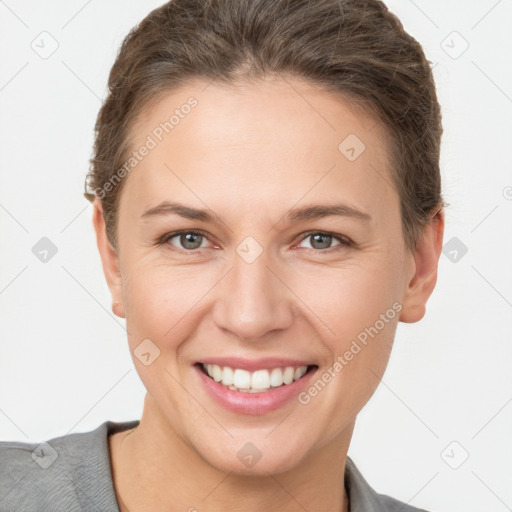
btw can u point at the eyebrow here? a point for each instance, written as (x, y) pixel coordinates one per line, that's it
(306, 213)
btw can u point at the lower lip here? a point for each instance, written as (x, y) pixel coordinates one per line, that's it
(254, 403)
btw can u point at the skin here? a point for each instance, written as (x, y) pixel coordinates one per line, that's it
(251, 153)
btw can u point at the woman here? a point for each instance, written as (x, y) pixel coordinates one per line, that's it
(267, 205)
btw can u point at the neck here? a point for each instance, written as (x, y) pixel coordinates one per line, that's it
(155, 469)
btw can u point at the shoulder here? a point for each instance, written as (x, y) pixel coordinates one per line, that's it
(70, 472)
(363, 498)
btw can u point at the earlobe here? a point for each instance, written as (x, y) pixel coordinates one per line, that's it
(423, 276)
(109, 259)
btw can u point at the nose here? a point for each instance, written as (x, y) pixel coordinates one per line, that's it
(253, 300)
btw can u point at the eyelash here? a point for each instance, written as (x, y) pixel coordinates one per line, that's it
(343, 240)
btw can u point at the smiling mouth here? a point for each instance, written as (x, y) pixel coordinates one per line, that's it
(259, 381)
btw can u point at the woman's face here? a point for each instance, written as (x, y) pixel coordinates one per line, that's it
(268, 278)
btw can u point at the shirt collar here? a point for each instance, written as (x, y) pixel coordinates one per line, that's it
(97, 470)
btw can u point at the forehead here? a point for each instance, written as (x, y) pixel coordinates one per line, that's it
(270, 142)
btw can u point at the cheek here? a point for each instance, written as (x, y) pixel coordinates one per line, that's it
(359, 354)
(356, 310)
(158, 304)
(352, 297)
(161, 302)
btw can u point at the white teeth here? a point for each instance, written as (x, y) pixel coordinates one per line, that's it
(217, 373)
(276, 377)
(254, 382)
(241, 379)
(260, 379)
(299, 372)
(288, 375)
(227, 376)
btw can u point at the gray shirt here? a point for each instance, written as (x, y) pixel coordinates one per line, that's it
(73, 473)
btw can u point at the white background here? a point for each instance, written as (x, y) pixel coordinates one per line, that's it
(64, 363)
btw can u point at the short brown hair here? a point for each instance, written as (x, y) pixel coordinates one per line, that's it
(353, 47)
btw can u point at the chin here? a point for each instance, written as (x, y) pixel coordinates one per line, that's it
(246, 459)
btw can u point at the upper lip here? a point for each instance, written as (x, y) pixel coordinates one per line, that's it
(255, 364)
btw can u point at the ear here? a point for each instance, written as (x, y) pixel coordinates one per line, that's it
(422, 276)
(109, 259)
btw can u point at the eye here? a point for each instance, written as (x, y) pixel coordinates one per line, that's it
(192, 240)
(189, 240)
(321, 240)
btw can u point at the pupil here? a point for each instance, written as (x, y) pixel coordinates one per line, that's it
(326, 242)
(186, 241)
